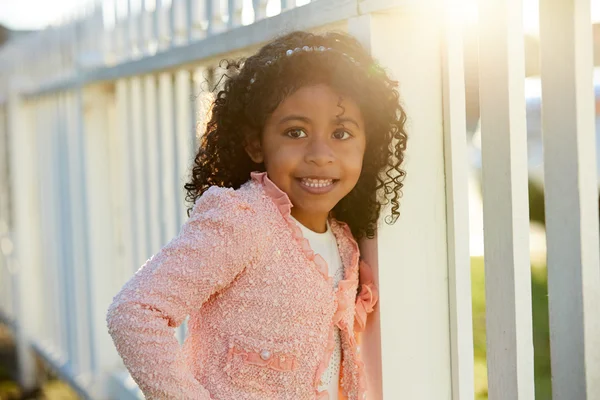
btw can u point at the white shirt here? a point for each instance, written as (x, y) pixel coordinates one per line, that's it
(325, 245)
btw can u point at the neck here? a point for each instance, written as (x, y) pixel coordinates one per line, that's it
(314, 222)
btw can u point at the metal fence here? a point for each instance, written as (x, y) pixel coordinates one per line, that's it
(98, 123)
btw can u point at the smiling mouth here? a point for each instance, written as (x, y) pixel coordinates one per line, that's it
(317, 182)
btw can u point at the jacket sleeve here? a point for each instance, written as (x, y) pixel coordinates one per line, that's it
(367, 296)
(212, 248)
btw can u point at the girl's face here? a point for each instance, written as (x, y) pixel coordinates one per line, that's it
(312, 147)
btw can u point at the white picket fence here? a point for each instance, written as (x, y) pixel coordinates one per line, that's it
(97, 116)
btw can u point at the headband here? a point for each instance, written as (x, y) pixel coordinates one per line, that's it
(305, 49)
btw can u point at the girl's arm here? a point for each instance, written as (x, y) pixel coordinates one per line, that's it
(211, 249)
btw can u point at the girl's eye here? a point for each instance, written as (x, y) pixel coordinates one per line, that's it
(296, 133)
(342, 135)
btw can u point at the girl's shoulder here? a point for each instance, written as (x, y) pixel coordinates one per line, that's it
(238, 205)
(221, 200)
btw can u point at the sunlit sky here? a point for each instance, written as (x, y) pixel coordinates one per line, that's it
(36, 14)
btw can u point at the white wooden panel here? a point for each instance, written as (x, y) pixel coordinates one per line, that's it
(120, 38)
(164, 27)
(4, 183)
(183, 126)
(66, 267)
(79, 244)
(48, 140)
(571, 187)
(181, 20)
(27, 290)
(235, 13)
(136, 151)
(183, 123)
(147, 32)
(260, 9)
(122, 177)
(412, 254)
(199, 19)
(457, 206)
(102, 260)
(215, 16)
(5, 242)
(505, 201)
(287, 4)
(168, 160)
(151, 112)
(133, 32)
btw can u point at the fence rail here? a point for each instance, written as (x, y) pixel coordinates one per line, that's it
(99, 121)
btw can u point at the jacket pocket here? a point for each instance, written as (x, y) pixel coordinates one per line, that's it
(262, 365)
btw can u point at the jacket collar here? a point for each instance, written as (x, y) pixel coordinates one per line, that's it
(346, 243)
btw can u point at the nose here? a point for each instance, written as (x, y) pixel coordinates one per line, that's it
(319, 152)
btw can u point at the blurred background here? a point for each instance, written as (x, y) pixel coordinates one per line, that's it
(148, 74)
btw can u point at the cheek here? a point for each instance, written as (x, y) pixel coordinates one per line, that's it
(353, 160)
(281, 160)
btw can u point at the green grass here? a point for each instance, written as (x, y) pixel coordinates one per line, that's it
(541, 338)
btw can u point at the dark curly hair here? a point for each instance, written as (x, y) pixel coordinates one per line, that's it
(241, 108)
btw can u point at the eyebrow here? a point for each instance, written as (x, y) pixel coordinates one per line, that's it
(307, 120)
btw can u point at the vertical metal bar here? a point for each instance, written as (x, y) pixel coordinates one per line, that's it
(505, 201)
(571, 187)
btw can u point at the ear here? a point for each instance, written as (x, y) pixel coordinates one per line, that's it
(254, 150)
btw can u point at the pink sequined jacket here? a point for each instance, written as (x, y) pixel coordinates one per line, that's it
(262, 307)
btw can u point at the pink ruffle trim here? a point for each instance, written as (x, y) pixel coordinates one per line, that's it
(283, 203)
(367, 297)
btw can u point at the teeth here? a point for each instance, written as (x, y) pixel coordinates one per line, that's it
(316, 183)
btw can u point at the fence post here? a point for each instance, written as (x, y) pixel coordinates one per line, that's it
(412, 254)
(25, 261)
(103, 267)
(505, 202)
(571, 187)
(457, 207)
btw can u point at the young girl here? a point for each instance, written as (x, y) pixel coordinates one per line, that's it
(304, 146)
